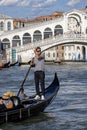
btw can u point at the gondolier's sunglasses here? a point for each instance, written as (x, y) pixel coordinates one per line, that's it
(38, 50)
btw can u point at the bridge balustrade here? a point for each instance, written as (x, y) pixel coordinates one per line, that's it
(59, 39)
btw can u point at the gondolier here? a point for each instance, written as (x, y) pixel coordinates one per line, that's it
(39, 74)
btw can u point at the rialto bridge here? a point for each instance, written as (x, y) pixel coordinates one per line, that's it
(77, 45)
(68, 31)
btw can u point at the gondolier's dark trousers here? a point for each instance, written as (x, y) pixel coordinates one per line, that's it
(39, 77)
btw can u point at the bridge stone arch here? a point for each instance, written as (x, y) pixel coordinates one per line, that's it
(16, 41)
(6, 43)
(58, 30)
(63, 41)
(71, 50)
(47, 32)
(37, 36)
(26, 38)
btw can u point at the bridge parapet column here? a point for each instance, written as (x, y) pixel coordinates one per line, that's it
(21, 39)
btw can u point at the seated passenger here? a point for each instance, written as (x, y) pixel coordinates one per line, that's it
(6, 101)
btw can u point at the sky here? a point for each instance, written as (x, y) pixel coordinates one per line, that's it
(29, 9)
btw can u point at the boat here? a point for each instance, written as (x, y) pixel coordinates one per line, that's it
(58, 61)
(15, 64)
(26, 108)
(5, 65)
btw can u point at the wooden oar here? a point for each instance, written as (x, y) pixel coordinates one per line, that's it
(21, 88)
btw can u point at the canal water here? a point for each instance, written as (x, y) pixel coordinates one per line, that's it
(69, 109)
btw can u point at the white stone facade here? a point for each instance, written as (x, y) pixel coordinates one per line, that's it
(71, 24)
(6, 23)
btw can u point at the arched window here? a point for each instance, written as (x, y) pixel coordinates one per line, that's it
(58, 30)
(9, 26)
(37, 36)
(26, 38)
(84, 52)
(47, 33)
(53, 54)
(48, 54)
(86, 30)
(6, 43)
(16, 41)
(1, 26)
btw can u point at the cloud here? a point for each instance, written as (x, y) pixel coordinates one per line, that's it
(24, 3)
(8, 2)
(73, 2)
(14, 2)
(33, 3)
(42, 4)
(50, 1)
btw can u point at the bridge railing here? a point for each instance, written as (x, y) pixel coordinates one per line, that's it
(59, 38)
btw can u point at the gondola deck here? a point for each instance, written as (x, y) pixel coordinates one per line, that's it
(31, 107)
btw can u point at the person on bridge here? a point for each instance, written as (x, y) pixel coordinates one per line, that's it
(39, 72)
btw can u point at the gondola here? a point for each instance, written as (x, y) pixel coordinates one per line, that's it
(57, 61)
(5, 65)
(15, 64)
(25, 108)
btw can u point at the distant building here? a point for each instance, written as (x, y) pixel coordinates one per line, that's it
(6, 23)
(19, 23)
